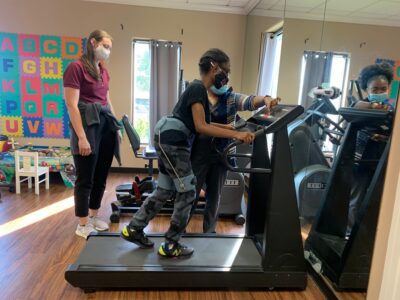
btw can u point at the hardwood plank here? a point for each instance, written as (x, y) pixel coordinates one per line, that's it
(34, 258)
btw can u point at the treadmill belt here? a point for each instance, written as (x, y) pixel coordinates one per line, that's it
(215, 252)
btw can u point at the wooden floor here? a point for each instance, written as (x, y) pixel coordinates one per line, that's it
(37, 243)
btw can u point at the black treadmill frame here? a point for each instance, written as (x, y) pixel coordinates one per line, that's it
(272, 225)
(346, 260)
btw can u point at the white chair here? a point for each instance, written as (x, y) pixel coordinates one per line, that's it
(29, 170)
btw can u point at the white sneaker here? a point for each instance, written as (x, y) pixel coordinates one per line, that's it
(84, 231)
(98, 224)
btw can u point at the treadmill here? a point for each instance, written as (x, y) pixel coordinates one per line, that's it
(341, 253)
(269, 254)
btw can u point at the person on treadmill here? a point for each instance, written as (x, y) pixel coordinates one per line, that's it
(375, 80)
(173, 137)
(207, 165)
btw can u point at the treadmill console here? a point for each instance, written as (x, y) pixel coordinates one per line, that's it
(280, 112)
(368, 117)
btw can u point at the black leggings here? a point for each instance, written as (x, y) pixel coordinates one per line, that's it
(208, 170)
(92, 171)
(213, 175)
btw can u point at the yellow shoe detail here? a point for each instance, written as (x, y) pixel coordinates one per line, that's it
(161, 251)
(125, 231)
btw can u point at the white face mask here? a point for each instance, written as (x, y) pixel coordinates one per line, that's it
(101, 53)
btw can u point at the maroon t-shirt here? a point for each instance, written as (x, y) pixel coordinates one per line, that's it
(90, 89)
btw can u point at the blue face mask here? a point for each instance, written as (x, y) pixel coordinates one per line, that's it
(222, 90)
(382, 97)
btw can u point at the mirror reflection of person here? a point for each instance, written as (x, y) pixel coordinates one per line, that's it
(206, 162)
(375, 80)
(95, 134)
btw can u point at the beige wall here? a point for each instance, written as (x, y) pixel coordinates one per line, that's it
(201, 30)
(386, 216)
(341, 37)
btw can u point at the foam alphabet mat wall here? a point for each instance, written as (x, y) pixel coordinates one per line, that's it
(31, 95)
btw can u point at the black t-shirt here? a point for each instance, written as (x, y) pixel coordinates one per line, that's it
(195, 92)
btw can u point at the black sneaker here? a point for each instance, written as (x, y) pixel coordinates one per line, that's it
(175, 250)
(137, 237)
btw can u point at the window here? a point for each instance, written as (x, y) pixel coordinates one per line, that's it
(339, 76)
(326, 69)
(156, 69)
(270, 60)
(323, 69)
(141, 89)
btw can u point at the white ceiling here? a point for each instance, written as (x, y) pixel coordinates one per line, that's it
(242, 7)
(378, 12)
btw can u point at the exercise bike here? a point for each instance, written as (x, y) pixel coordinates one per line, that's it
(307, 136)
(232, 203)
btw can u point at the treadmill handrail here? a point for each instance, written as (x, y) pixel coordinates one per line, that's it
(336, 125)
(244, 155)
(273, 127)
(225, 156)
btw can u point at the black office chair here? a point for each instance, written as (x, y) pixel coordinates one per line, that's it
(134, 140)
(131, 195)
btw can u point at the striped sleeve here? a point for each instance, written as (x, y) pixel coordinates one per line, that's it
(244, 102)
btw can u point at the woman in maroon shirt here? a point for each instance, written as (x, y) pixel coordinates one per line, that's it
(94, 129)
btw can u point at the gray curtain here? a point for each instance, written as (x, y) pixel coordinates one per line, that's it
(164, 80)
(317, 71)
